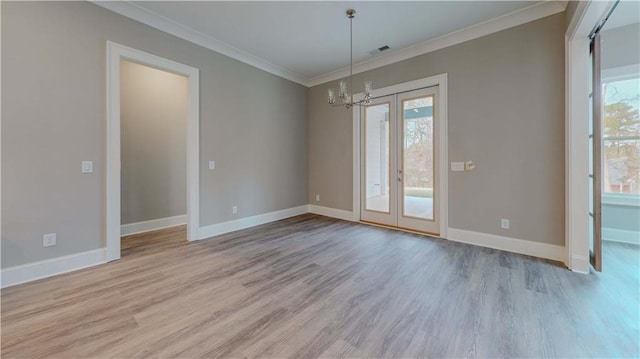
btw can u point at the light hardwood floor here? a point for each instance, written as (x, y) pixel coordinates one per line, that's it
(311, 286)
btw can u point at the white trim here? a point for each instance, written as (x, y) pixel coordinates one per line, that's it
(356, 185)
(148, 17)
(530, 248)
(116, 53)
(162, 23)
(580, 264)
(627, 200)
(246, 222)
(585, 18)
(621, 235)
(443, 179)
(332, 212)
(50, 267)
(620, 73)
(152, 225)
(519, 17)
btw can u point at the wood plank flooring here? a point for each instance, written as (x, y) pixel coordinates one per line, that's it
(312, 286)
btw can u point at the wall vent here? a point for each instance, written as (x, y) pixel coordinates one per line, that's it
(379, 50)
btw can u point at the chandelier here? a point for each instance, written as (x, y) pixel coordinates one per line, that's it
(346, 99)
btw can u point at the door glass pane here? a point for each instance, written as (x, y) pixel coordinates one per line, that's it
(417, 157)
(377, 157)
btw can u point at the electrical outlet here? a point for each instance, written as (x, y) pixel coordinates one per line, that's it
(234, 209)
(87, 166)
(317, 198)
(504, 223)
(49, 240)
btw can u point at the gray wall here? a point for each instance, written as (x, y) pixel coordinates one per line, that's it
(621, 46)
(253, 124)
(506, 113)
(626, 218)
(570, 11)
(153, 120)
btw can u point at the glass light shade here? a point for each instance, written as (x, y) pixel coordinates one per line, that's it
(368, 87)
(343, 89)
(332, 96)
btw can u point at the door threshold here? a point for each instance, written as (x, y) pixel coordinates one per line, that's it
(431, 234)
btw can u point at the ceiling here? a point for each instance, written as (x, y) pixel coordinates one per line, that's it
(310, 39)
(626, 13)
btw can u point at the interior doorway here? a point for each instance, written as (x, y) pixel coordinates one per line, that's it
(153, 138)
(615, 136)
(400, 155)
(117, 55)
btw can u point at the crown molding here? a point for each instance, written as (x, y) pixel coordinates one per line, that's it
(512, 19)
(147, 17)
(519, 17)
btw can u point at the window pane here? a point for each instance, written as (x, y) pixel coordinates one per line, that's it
(621, 172)
(621, 136)
(377, 157)
(418, 157)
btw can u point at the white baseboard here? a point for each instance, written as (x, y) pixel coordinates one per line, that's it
(580, 264)
(620, 235)
(152, 225)
(242, 223)
(50, 267)
(536, 249)
(47, 268)
(331, 212)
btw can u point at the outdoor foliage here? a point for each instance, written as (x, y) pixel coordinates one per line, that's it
(621, 147)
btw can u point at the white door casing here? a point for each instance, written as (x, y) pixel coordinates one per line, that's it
(115, 54)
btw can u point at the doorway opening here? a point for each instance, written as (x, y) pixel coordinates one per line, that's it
(400, 156)
(615, 140)
(153, 138)
(152, 158)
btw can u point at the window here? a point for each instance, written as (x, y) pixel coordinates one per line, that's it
(621, 136)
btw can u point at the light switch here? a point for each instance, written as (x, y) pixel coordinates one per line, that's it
(87, 166)
(457, 166)
(212, 165)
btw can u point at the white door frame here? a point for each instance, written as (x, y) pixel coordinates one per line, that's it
(116, 53)
(585, 18)
(443, 184)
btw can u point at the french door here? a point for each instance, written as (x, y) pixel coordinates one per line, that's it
(399, 161)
